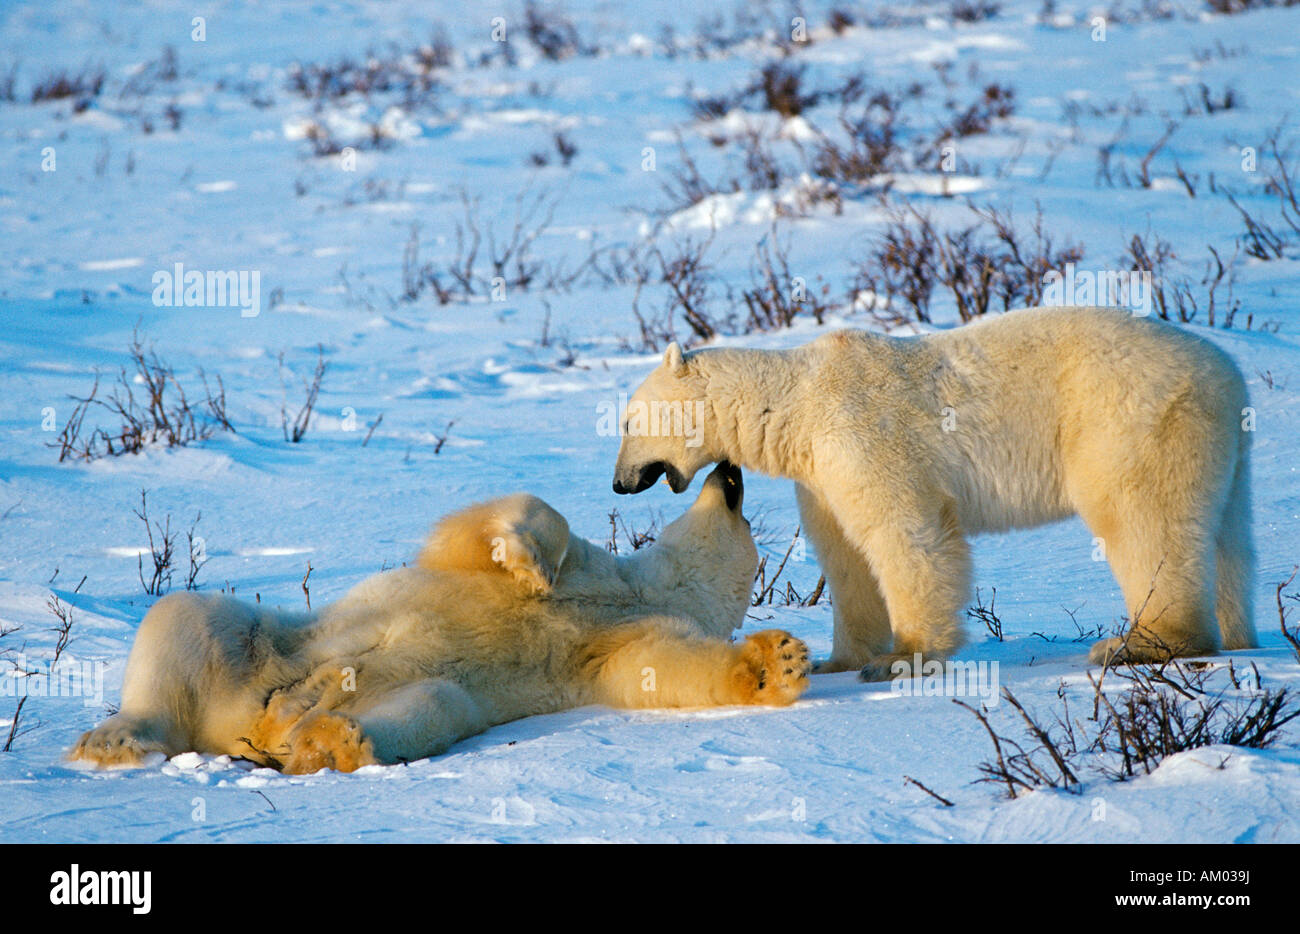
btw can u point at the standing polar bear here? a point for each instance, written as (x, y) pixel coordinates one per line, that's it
(902, 447)
(506, 614)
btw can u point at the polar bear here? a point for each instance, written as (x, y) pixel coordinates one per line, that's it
(902, 447)
(506, 614)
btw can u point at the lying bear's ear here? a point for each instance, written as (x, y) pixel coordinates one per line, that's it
(673, 356)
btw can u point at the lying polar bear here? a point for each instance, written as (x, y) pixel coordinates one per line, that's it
(901, 448)
(506, 614)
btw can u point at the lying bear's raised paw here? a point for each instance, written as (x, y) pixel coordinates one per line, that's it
(777, 667)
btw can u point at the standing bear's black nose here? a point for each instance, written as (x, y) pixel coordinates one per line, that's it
(642, 478)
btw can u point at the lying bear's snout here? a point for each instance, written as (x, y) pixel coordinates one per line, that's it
(733, 484)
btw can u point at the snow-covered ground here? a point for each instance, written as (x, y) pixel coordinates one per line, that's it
(210, 168)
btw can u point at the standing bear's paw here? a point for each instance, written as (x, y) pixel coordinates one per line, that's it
(1142, 648)
(893, 665)
(327, 740)
(774, 668)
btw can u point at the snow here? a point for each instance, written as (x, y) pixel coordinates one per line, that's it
(235, 187)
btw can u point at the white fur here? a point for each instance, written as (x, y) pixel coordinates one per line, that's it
(901, 448)
(506, 614)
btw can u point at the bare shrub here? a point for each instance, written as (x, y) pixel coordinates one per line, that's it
(1206, 102)
(1292, 635)
(144, 81)
(762, 170)
(996, 102)
(1284, 176)
(841, 20)
(687, 275)
(1110, 170)
(778, 87)
(1178, 298)
(552, 32)
(1232, 7)
(781, 87)
(1217, 273)
(768, 592)
(987, 614)
(62, 636)
(635, 538)
(872, 148)
(438, 52)
(409, 74)
(1144, 168)
(1163, 709)
(777, 297)
(902, 266)
(564, 149)
(198, 555)
(82, 86)
(9, 84)
(295, 430)
(507, 260)
(215, 402)
(161, 550)
(324, 144)
(1171, 707)
(687, 185)
(981, 264)
(165, 414)
(973, 11)
(1027, 259)
(441, 439)
(1046, 763)
(1259, 240)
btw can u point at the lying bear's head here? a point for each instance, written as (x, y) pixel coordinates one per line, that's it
(666, 430)
(705, 560)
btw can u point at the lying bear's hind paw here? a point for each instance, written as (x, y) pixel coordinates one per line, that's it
(327, 740)
(777, 667)
(118, 745)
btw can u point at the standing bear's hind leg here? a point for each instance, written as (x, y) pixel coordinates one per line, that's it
(1159, 516)
(1235, 554)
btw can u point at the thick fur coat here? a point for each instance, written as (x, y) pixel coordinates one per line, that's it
(902, 448)
(506, 614)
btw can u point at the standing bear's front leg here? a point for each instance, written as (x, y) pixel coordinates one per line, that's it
(914, 546)
(861, 618)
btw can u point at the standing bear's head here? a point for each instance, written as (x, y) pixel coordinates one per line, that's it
(666, 429)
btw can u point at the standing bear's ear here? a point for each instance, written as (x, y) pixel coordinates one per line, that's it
(673, 357)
